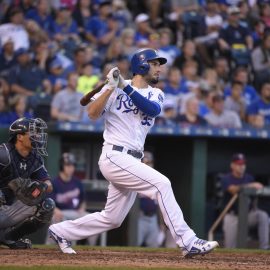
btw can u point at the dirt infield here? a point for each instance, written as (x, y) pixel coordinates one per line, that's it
(135, 258)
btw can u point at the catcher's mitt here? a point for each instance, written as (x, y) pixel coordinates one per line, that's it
(28, 191)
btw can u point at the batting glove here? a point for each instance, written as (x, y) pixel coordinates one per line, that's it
(113, 78)
(122, 83)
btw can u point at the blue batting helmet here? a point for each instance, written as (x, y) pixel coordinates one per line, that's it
(139, 61)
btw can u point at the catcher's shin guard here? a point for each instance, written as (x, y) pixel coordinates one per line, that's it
(43, 216)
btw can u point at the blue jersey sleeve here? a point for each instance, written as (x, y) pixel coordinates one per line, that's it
(151, 108)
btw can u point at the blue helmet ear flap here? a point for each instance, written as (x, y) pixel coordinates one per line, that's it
(144, 68)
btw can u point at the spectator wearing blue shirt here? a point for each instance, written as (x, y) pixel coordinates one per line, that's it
(41, 15)
(143, 30)
(235, 40)
(175, 85)
(231, 185)
(3, 111)
(103, 28)
(7, 56)
(25, 78)
(249, 92)
(65, 30)
(258, 112)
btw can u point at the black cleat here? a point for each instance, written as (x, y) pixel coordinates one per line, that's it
(19, 244)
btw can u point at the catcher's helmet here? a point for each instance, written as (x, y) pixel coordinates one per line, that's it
(139, 61)
(35, 127)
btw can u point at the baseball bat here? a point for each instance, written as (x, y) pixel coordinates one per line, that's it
(87, 97)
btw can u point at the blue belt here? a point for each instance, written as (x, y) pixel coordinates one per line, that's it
(134, 153)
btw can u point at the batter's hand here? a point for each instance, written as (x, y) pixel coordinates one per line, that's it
(112, 81)
(122, 83)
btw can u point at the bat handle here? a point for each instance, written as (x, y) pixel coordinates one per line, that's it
(116, 74)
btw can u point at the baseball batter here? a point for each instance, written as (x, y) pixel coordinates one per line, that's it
(129, 108)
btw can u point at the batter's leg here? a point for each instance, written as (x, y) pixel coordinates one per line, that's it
(125, 171)
(119, 202)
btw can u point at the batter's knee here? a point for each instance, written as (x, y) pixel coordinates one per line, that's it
(165, 183)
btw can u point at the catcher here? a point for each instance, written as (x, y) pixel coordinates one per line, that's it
(24, 182)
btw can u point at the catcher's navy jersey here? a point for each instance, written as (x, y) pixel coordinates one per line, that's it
(13, 165)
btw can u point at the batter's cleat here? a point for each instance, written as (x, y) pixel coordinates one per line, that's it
(63, 244)
(19, 244)
(200, 247)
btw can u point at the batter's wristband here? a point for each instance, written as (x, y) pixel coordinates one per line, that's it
(128, 90)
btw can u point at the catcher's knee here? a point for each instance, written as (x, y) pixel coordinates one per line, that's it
(45, 210)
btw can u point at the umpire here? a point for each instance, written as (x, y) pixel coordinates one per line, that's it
(24, 183)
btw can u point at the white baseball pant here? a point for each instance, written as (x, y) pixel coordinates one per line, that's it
(128, 176)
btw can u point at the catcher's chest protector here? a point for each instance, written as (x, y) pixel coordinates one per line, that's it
(18, 166)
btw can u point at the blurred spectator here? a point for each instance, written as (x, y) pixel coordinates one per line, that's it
(25, 78)
(41, 54)
(82, 14)
(128, 41)
(249, 93)
(121, 14)
(232, 184)
(169, 112)
(190, 75)
(18, 105)
(258, 32)
(4, 115)
(175, 85)
(41, 14)
(68, 193)
(235, 40)
(265, 12)
(219, 117)
(207, 41)
(87, 81)
(56, 75)
(15, 29)
(143, 30)
(236, 102)
(114, 51)
(258, 112)
(167, 46)
(188, 54)
(205, 96)
(79, 59)
(261, 60)
(7, 56)
(65, 103)
(191, 112)
(65, 30)
(122, 62)
(35, 32)
(222, 69)
(103, 28)
(4, 87)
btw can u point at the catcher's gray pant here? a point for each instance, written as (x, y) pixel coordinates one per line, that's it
(128, 176)
(148, 230)
(257, 218)
(10, 215)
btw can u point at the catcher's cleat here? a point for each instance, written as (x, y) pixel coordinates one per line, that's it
(63, 244)
(200, 247)
(19, 244)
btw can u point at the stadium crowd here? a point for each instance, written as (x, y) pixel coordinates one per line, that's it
(218, 51)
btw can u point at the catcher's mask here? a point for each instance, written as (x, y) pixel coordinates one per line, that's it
(36, 128)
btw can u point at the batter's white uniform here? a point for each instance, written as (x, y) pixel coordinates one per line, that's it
(126, 126)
